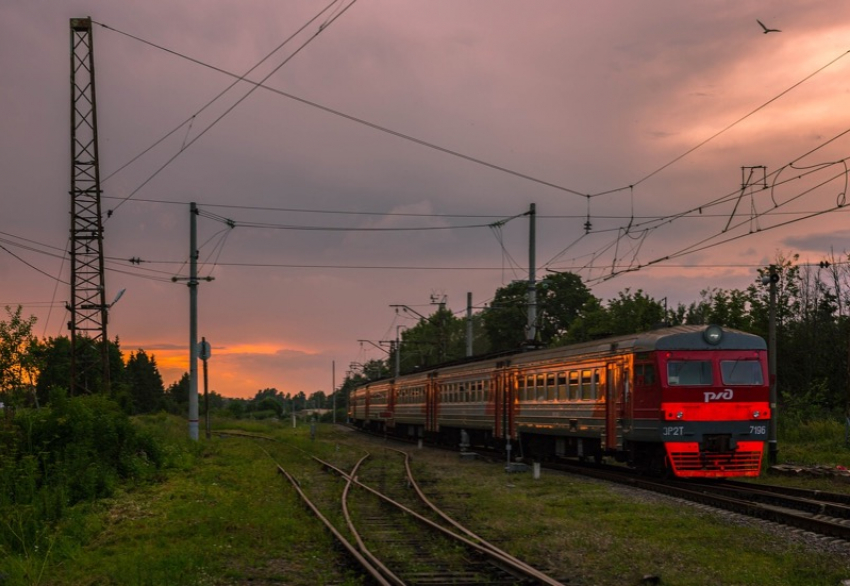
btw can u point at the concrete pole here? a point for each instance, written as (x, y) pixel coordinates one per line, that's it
(772, 449)
(193, 321)
(469, 324)
(531, 336)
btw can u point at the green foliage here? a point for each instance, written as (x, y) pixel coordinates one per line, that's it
(145, 383)
(561, 298)
(629, 313)
(76, 450)
(19, 364)
(439, 338)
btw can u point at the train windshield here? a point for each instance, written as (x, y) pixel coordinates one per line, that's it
(689, 372)
(741, 372)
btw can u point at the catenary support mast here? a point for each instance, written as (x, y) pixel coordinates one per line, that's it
(531, 328)
(88, 306)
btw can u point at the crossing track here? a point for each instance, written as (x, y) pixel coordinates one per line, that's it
(393, 533)
(407, 546)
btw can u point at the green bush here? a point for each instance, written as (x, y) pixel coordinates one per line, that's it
(75, 450)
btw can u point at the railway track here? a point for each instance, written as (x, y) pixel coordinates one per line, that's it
(821, 513)
(818, 512)
(398, 536)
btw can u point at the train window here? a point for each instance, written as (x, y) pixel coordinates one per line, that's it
(587, 387)
(595, 388)
(741, 372)
(644, 375)
(529, 387)
(551, 389)
(541, 387)
(520, 391)
(599, 384)
(689, 372)
(574, 386)
(562, 386)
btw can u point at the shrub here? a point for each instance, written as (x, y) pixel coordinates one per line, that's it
(76, 450)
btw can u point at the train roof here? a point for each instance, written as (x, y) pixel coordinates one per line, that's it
(683, 337)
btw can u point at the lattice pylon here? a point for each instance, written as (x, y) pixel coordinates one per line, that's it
(88, 306)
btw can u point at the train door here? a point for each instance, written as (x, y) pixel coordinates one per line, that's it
(504, 399)
(431, 400)
(614, 406)
(391, 401)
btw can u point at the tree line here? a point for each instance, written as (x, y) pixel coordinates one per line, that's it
(812, 334)
(812, 327)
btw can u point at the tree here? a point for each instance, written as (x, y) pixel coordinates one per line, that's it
(145, 383)
(439, 338)
(561, 298)
(177, 395)
(54, 357)
(19, 355)
(628, 313)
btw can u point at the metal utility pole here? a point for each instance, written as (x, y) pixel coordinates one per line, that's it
(531, 328)
(333, 390)
(88, 306)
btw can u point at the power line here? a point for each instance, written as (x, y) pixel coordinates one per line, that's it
(363, 122)
(240, 100)
(725, 129)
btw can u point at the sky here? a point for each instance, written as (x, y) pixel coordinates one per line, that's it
(668, 147)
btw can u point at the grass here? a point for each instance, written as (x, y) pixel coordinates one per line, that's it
(820, 442)
(612, 535)
(219, 514)
(226, 519)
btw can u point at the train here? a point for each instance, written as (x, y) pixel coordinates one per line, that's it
(687, 401)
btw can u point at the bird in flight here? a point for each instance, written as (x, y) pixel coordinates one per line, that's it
(768, 30)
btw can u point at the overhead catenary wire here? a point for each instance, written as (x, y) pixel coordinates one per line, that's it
(237, 103)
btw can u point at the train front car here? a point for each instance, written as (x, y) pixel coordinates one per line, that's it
(714, 407)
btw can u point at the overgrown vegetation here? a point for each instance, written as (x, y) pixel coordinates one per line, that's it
(54, 459)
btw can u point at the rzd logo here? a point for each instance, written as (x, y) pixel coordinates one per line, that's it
(724, 395)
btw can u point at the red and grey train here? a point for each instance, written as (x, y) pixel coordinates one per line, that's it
(692, 401)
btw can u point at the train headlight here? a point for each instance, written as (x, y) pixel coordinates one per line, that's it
(713, 335)
(679, 415)
(756, 414)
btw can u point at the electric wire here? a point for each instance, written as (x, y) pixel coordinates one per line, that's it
(372, 125)
(191, 119)
(726, 128)
(233, 106)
